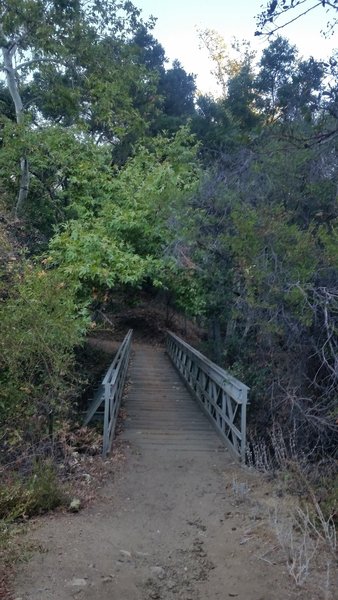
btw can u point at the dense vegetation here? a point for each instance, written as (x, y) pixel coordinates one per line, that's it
(114, 177)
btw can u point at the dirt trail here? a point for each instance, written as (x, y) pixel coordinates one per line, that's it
(169, 526)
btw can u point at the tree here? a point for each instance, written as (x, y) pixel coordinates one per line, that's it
(149, 51)
(286, 87)
(225, 66)
(213, 127)
(220, 122)
(280, 13)
(177, 91)
(261, 232)
(19, 23)
(59, 44)
(122, 226)
(165, 103)
(67, 168)
(277, 65)
(262, 236)
(242, 96)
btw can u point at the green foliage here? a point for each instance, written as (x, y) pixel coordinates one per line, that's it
(50, 54)
(86, 251)
(66, 168)
(124, 240)
(41, 324)
(249, 243)
(184, 290)
(55, 61)
(286, 86)
(262, 234)
(25, 497)
(177, 89)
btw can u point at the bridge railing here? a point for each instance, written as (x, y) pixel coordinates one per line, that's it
(222, 397)
(110, 392)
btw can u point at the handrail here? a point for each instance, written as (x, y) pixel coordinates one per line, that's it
(110, 392)
(222, 397)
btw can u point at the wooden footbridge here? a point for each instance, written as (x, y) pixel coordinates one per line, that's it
(169, 390)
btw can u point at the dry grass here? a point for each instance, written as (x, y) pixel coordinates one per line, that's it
(305, 532)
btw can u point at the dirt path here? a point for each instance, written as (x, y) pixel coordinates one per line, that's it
(170, 526)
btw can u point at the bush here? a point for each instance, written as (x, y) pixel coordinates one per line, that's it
(41, 322)
(25, 497)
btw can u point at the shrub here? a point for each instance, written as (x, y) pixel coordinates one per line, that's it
(41, 322)
(25, 497)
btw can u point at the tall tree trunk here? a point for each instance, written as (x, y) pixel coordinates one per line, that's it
(13, 88)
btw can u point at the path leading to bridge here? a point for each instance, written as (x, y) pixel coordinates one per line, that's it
(173, 524)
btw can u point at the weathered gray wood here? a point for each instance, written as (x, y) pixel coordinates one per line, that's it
(110, 392)
(222, 397)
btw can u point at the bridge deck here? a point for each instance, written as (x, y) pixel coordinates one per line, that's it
(160, 410)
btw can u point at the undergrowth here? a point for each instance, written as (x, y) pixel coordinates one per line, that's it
(22, 497)
(306, 532)
(278, 457)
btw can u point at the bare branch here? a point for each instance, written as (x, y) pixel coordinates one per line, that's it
(276, 9)
(279, 27)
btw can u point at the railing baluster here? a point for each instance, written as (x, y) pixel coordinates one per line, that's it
(222, 397)
(112, 390)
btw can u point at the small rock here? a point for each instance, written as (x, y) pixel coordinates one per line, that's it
(158, 571)
(78, 582)
(75, 505)
(125, 553)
